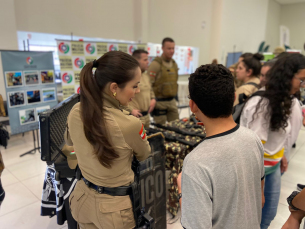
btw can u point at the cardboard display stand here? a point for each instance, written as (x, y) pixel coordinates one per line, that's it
(30, 88)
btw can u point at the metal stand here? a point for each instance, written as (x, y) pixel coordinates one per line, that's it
(33, 151)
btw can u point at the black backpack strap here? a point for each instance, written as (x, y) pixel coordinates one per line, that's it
(237, 110)
(242, 98)
(253, 84)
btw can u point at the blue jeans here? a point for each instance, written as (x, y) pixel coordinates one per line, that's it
(272, 196)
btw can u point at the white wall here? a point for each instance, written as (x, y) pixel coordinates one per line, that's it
(273, 25)
(216, 27)
(113, 19)
(293, 17)
(182, 21)
(8, 33)
(243, 26)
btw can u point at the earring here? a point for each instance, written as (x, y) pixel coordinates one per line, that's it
(114, 94)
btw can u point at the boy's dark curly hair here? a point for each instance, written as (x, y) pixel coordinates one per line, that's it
(278, 89)
(211, 87)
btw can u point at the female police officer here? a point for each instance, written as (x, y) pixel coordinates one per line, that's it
(105, 138)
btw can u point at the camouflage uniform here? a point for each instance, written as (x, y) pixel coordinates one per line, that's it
(177, 146)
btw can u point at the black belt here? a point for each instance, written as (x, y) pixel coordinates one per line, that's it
(118, 191)
(144, 113)
(165, 99)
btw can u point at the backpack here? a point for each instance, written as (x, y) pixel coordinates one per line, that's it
(243, 99)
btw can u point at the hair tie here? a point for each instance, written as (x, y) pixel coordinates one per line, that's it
(95, 64)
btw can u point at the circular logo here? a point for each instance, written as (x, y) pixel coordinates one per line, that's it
(131, 49)
(112, 48)
(90, 49)
(79, 63)
(63, 48)
(78, 90)
(29, 60)
(66, 78)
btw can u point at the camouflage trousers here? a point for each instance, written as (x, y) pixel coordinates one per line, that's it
(175, 154)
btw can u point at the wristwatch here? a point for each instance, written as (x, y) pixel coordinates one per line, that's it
(290, 198)
(179, 196)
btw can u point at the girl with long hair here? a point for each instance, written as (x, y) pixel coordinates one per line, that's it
(276, 117)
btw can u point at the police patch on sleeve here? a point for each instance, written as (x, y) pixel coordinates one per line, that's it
(142, 132)
(152, 74)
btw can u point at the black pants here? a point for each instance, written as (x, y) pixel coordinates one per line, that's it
(2, 193)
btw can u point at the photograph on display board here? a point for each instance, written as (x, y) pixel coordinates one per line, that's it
(31, 78)
(39, 110)
(27, 116)
(13, 79)
(16, 99)
(33, 96)
(47, 76)
(48, 94)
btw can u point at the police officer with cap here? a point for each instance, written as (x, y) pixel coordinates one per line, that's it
(144, 102)
(163, 72)
(105, 138)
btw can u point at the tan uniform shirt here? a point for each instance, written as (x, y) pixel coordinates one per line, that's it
(246, 89)
(126, 136)
(154, 69)
(142, 100)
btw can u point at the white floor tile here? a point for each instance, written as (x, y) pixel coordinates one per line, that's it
(18, 145)
(29, 218)
(35, 185)
(27, 169)
(7, 178)
(16, 197)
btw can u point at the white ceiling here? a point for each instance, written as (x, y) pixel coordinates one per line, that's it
(286, 2)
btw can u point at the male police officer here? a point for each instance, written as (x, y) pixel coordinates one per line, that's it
(163, 72)
(144, 102)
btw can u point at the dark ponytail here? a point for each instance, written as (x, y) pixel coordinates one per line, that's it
(114, 66)
(253, 62)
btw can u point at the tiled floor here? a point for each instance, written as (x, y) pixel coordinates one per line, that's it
(23, 179)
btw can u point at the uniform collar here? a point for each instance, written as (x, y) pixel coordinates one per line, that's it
(165, 59)
(111, 102)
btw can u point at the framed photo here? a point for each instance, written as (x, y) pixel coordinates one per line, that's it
(47, 76)
(31, 78)
(40, 110)
(13, 79)
(48, 94)
(33, 96)
(16, 99)
(27, 116)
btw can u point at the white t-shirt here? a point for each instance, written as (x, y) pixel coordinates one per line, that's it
(275, 140)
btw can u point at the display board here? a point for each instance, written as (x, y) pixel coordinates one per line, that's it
(232, 58)
(73, 55)
(186, 57)
(268, 56)
(30, 87)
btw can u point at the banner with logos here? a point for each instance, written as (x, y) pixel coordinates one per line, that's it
(73, 55)
(30, 87)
